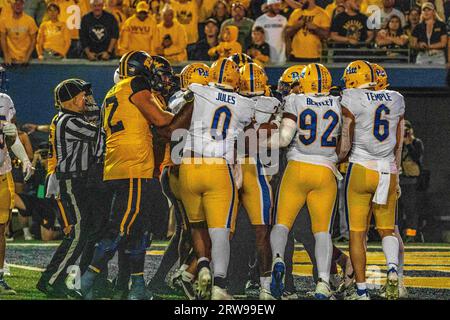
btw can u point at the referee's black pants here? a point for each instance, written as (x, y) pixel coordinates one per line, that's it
(74, 210)
(127, 225)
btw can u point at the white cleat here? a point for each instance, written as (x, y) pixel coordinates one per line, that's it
(288, 295)
(265, 294)
(204, 284)
(392, 290)
(354, 295)
(220, 294)
(323, 291)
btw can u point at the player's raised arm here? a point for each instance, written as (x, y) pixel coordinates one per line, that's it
(348, 128)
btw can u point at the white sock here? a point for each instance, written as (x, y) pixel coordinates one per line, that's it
(26, 232)
(323, 253)
(265, 282)
(390, 249)
(278, 240)
(361, 286)
(220, 250)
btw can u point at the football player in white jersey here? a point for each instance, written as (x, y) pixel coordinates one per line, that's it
(372, 135)
(381, 78)
(256, 192)
(207, 184)
(311, 127)
(183, 278)
(9, 139)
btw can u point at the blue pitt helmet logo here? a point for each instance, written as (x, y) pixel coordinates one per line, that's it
(295, 75)
(202, 72)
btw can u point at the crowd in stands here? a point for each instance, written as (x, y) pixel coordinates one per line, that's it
(270, 31)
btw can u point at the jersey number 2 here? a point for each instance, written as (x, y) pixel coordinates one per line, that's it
(311, 125)
(114, 104)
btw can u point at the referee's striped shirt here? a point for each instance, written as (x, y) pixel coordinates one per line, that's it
(74, 139)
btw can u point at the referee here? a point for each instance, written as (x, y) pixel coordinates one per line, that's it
(74, 139)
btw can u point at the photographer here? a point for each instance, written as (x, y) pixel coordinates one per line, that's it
(412, 163)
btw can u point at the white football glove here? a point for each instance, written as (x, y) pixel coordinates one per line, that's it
(27, 170)
(9, 129)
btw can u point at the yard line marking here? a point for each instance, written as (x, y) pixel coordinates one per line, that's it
(18, 266)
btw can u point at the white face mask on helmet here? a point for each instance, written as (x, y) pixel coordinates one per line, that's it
(116, 76)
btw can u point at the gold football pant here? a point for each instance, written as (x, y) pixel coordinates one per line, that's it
(360, 186)
(6, 197)
(256, 194)
(307, 183)
(209, 193)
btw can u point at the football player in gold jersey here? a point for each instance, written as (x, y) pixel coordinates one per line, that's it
(128, 111)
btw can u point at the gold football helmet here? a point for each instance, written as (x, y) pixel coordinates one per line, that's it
(224, 73)
(194, 73)
(240, 59)
(289, 78)
(316, 79)
(380, 77)
(359, 74)
(253, 80)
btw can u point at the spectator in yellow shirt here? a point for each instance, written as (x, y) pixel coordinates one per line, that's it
(138, 31)
(307, 27)
(186, 12)
(171, 38)
(71, 12)
(53, 40)
(17, 35)
(229, 44)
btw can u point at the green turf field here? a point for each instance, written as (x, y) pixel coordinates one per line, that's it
(427, 269)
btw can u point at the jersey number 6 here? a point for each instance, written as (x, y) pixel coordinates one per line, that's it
(381, 125)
